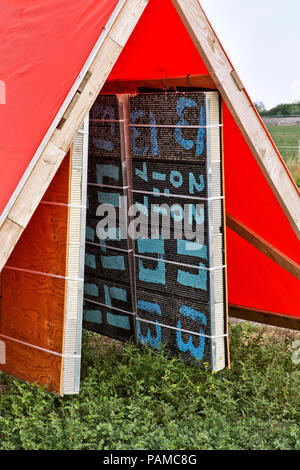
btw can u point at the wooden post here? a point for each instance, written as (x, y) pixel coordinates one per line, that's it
(262, 316)
(2, 353)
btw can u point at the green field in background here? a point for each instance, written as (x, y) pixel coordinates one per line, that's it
(284, 137)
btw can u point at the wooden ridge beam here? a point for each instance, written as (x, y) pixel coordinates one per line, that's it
(127, 86)
(41, 174)
(262, 316)
(262, 245)
(242, 109)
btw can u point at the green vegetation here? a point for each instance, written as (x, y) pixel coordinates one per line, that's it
(286, 138)
(141, 400)
(291, 109)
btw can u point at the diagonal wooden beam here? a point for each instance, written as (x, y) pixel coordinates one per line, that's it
(242, 109)
(42, 172)
(262, 245)
(262, 316)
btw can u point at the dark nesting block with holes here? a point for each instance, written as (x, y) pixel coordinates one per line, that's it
(181, 325)
(106, 263)
(108, 293)
(104, 128)
(106, 107)
(108, 322)
(182, 252)
(107, 172)
(183, 135)
(172, 279)
(112, 219)
(169, 108)
(165, 177)
(181, 179)
(180, 228)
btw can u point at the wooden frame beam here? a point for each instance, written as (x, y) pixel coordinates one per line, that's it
(41, 174)
(261, 316)
(243, 111)
(131, 86)
(262, 245)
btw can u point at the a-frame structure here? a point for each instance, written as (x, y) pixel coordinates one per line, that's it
(121, 47)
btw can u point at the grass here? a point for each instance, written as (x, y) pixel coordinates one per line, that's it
(141, 400)
(284, 137)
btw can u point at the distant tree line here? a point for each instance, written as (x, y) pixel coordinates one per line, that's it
(279, 110)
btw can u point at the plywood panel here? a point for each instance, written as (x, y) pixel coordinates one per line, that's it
(33, 365)
(33, 309)
(42, 246)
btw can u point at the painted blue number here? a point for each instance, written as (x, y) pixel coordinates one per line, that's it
(196, 352)
(189, 144)
(149, 307)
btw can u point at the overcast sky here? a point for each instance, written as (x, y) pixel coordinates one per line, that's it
(262, 39)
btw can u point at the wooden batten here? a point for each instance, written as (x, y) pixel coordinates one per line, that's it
(262, 245)
(262, 316)
(132, 86)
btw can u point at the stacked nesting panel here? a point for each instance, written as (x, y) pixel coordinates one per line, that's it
(108, 292)
(176, 161)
